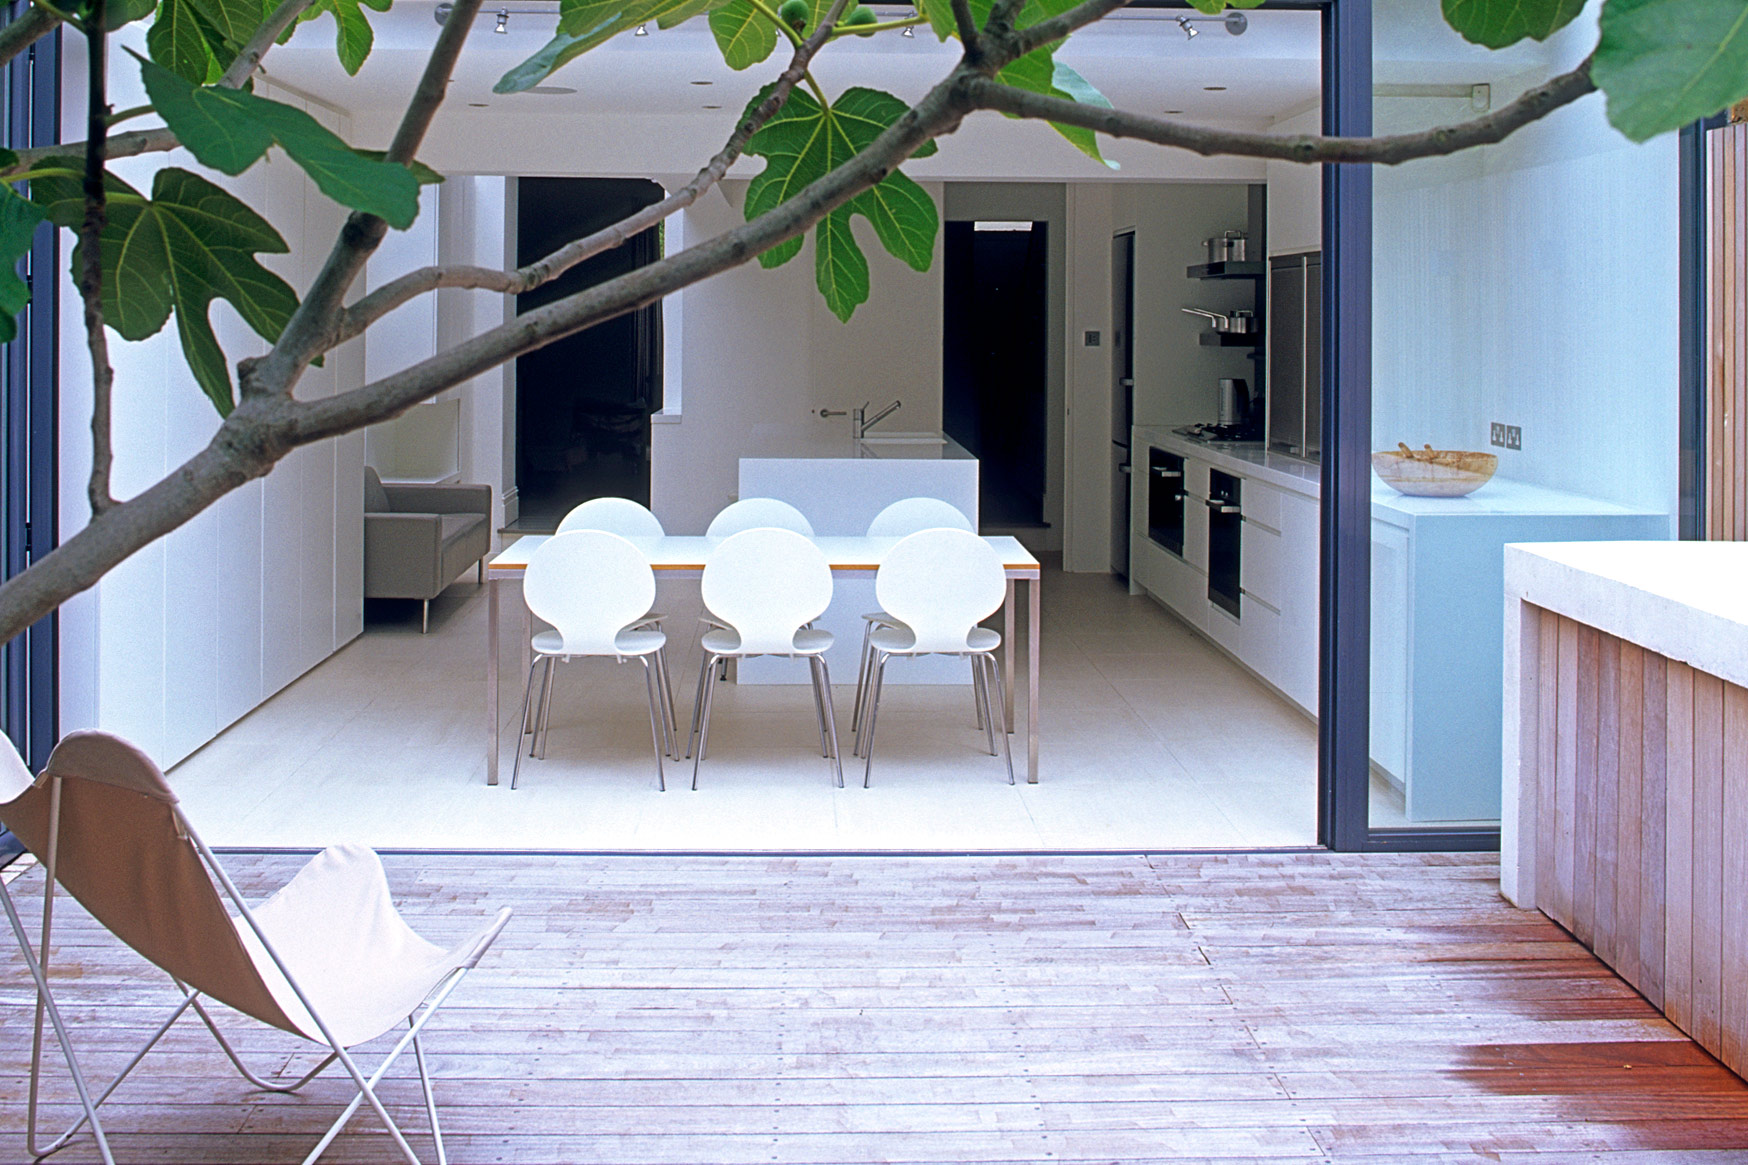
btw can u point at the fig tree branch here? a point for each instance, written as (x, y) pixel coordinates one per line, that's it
(307, 333)
(393, 294)
(1389, 150)
(29, 28)
(91, 257)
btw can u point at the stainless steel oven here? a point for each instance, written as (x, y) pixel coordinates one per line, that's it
(1225, 537)
(1165, 500)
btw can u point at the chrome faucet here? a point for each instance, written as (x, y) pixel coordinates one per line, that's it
(863, 422)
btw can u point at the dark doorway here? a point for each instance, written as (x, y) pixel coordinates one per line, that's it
(994, 363)
(1122, 394)
(583, 403)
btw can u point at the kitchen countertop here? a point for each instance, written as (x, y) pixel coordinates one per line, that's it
(829, 441)
(1277, 469)
(1684, 600)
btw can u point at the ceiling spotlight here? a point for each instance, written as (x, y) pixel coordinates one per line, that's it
(642, 30)
(503, 22)
(1233, 21)
(909, 31)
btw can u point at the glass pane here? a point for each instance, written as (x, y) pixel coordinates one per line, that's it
(1525, 308)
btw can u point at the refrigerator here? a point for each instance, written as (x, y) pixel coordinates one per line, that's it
(1295, 355)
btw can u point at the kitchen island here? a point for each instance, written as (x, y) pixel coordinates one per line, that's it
(841, 484)
(1625, 762)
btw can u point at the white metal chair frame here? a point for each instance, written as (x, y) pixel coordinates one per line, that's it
(765, 586)
(902, 518)
(37, 962)
(570, 558)
(939, 585)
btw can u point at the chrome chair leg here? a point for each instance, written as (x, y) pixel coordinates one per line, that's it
(977, 704)
(425, 617)
(667, 693)
(861, 675)
(658, 733)
(831, 719)
(708, 697)
(543, 725)
(818, 708)
(697, 705)
(873, 717)
(980, 676)
(999, 704)
(522, 720)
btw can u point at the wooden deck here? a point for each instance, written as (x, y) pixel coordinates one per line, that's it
(1102, 1009)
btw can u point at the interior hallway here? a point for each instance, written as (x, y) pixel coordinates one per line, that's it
(1151, 739)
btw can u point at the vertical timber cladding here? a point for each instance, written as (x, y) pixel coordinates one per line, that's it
(1727, 329)
(1642, 844)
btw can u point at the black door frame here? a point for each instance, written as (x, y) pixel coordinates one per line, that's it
(29, 713)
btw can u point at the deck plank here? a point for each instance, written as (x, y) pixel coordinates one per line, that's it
(1207, 1007)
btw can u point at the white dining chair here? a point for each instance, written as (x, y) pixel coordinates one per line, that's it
(766, 585)
(903, 517)
(758, 513)
(594, 588)
(628, 519)
(939, 585)
(753, 514)
(620, 516)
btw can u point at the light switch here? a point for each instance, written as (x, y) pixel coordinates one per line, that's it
(1092, 339)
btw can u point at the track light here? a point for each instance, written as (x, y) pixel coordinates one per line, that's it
(1233, 21)
(642, 30)
(503, 22)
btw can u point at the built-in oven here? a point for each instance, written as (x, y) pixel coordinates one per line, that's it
(1225, 536)
(1165, 500)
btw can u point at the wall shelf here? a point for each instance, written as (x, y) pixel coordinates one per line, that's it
(1246, 269)
(1230, 339)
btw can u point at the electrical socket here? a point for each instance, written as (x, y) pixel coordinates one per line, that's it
(1513, 437)
(1497, 436)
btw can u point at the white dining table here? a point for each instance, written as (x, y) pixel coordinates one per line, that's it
(684, 555)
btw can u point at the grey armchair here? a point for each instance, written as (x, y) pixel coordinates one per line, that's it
(418, 538)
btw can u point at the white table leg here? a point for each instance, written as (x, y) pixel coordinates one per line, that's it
(1007, 650)
(1032, 637)
(492, 741)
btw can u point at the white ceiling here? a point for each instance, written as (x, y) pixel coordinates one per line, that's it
(1140, 60)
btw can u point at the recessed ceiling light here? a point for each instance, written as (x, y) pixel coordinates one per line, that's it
(713, 107)
(477, 105)
(1170, 112)
(552, 90)
(1213, 88)
(704, 82)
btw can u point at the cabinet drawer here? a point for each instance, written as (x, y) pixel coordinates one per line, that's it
(1260, 564)
(1262, 504)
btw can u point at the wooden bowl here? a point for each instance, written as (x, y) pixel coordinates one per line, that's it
(1434, 473)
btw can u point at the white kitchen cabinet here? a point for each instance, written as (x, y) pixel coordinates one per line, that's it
(1275, 635)
(1438, 628)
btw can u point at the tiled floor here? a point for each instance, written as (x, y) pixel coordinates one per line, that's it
(1150, 740)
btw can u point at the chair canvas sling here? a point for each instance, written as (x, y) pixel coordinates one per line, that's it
(327, 958)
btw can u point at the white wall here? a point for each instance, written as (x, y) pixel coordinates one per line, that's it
(195, 630)
(1533, 283)
(760, 353)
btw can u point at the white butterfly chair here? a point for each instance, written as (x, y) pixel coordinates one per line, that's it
(939, 585)
(327, 958)
(905, 516)
(594, 588)
(766, 585)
